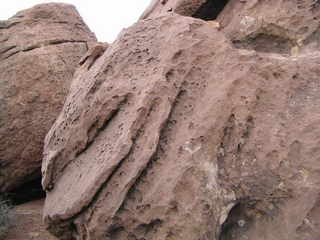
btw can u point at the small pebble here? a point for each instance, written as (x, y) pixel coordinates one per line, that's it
(241, 223)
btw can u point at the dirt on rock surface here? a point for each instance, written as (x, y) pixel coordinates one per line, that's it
(39, 51)
(27, 223)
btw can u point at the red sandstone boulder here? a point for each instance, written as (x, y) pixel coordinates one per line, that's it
(39, 50)
(185, 130)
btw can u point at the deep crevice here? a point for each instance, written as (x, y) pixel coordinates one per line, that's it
(154, 157)
(237, 222)
(134, 139)
(210, 10)
(95, 129)
(29, 191)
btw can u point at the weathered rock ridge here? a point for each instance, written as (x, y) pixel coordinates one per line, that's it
(39, 50)
(182, 130)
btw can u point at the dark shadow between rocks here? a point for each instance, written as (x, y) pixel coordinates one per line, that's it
(210, 10)
(237, 222)
(29, 191)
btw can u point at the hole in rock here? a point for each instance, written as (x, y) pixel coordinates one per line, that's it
(210, 10)
(29, 191)
(237, 222)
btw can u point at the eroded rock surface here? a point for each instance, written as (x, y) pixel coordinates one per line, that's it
(179, 131)
(27, 224)
(39, 50)
(285, 27)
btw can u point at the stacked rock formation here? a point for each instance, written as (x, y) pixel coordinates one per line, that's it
(39, 50)
(199, 122)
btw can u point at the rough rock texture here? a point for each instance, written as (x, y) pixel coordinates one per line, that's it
(27, 224)
(284, 27)
(39, 50)
(184, 131)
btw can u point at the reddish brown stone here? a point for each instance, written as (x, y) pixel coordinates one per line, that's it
(39, 50)
(182, 130)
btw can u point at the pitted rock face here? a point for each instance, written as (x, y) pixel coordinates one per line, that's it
(177, 133)
(39, 50)
(285, 27)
